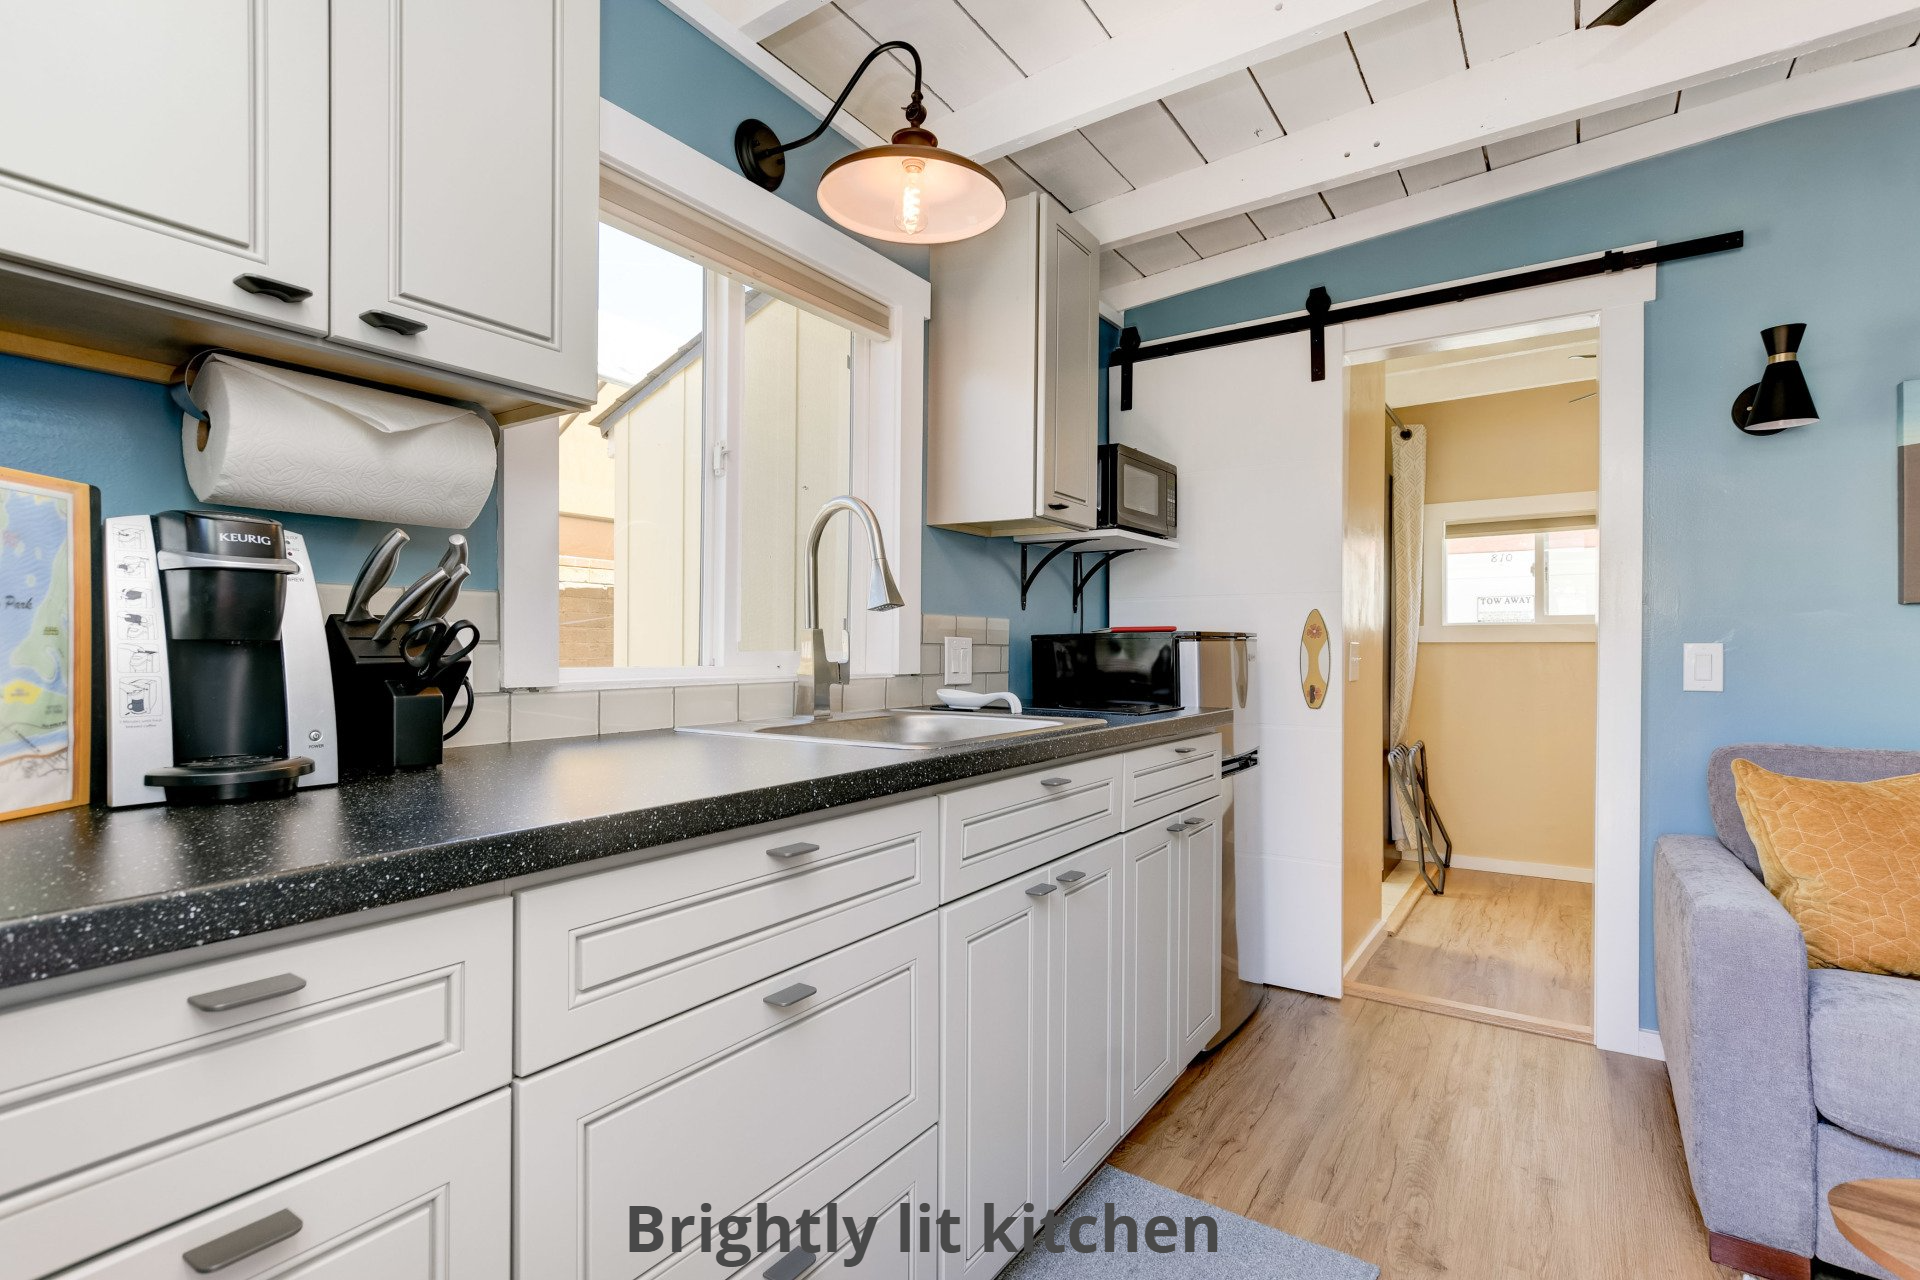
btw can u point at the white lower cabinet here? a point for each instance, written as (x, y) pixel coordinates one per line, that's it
(133, 1106)
(784, 1093)
(1199, 944)
(908, 1180)
(431, 1202)
(1084, 1094)
(993, 1070)
(1150, 969)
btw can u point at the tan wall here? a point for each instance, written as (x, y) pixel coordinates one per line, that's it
(1364, 620)
(1509, 727)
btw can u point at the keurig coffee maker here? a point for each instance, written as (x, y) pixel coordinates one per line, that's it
(217, 684)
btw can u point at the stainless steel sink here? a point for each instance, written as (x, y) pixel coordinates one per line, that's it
(905, 730)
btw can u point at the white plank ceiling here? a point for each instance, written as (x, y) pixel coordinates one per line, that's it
(977, 48)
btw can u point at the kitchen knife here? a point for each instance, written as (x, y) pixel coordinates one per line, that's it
(443, 599)
(373, 575)
(456, 555)
(410, 603)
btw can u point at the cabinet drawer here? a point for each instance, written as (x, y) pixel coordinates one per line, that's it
(1003, 828)
(1166, 778)
(735, 1103)
(124, 1109)
(608, 954)
(428, 1203)
(909, 1178)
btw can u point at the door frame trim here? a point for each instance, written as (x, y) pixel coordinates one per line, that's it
(1616, 304)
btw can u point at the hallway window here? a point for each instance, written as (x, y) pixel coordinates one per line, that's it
(1525, 566)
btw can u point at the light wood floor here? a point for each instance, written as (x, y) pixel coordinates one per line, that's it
(1433, 1146)
(1519, 944)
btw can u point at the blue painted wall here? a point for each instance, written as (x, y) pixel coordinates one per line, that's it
(124, 437)
(1781, 548)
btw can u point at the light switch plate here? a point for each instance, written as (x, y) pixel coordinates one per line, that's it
(958, 666)
(1703, 668)
(1353, 661)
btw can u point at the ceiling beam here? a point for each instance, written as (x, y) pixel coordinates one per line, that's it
(758, 19)
(1188, 45)
(1579, 74)
(705, 16)
(1833, 87)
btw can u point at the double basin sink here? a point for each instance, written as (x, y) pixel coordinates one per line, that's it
(906, 730)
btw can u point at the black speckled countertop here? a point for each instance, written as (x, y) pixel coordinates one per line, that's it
(86, 888)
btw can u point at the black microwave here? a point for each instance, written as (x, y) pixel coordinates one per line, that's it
(1137, 492)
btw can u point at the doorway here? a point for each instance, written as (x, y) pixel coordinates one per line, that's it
(1474, 578)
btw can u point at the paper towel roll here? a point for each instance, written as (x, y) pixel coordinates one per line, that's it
(291, 441)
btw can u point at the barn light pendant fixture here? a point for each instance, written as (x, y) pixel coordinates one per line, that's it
(910, 191)
(1781, 398)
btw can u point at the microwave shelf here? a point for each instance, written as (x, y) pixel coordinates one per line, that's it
(1107, 545)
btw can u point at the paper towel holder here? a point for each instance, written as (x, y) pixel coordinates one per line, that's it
(180, 389)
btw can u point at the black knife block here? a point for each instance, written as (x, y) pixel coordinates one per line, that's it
(388, 716)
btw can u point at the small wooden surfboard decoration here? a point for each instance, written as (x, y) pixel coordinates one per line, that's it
(1313, 660)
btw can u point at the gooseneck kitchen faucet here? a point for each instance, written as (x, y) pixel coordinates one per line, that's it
(819, 674)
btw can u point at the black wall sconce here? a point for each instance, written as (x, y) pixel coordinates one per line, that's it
(1780, 399)
(910, 191)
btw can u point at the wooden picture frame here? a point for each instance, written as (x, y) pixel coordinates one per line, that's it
(46, 643)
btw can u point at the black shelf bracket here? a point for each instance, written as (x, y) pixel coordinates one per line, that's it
(1029, 576)
(1083, 579)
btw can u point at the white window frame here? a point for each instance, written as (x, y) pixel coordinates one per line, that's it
(887, 433)
(1439, 515)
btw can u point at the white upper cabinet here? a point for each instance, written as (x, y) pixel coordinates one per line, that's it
(1013, 375)
(465, 184)
(178, 150)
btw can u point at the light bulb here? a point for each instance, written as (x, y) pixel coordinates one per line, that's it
(913, 215)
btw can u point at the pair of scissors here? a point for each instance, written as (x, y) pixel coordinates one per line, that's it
(431, 647)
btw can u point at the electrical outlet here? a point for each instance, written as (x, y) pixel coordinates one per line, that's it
(958, 667)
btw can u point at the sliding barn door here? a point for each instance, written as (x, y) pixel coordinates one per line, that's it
(1261, 454)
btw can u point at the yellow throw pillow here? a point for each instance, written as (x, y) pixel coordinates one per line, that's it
(1844, 859)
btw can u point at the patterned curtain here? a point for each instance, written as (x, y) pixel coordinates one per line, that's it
(1409, 558)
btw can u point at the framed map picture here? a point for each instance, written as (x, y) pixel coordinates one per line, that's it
(46, 643)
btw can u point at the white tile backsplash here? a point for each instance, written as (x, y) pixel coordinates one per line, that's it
(553, 715)
(905, 691)
(487, 725)
(766, 701)
(864, 695)
(706, 704)
(932, 658)
(974, 629)
(485, 672)
(935, 627)
(991, 682)
(999, 631)
(635, 710)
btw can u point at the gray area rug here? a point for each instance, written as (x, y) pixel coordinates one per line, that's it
(1247, 1249)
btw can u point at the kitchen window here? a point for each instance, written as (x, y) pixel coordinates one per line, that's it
(1513, 569)
(753, 363)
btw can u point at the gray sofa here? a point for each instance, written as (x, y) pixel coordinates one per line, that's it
(1787, 1080)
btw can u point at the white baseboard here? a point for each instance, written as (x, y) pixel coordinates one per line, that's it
(1543, 870)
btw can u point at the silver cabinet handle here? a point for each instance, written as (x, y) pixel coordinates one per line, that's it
(1071, 877)
(791, 1264)
(798, 850)
(1184, 751)
(786, 997)
(1177, 828)
(1058, 506)
(392, 323)
(1040, 890)
(1056, 782)
(272, 288)
(1193, 822)
(236, 1246)
(284, 984)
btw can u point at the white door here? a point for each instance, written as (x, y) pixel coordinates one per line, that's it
(1199, 943)
(1070, 356)
(179, 150)
(1150, 884)
(993, 1063)
(1085, 1111)
(465, 185)
(1262, 458)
